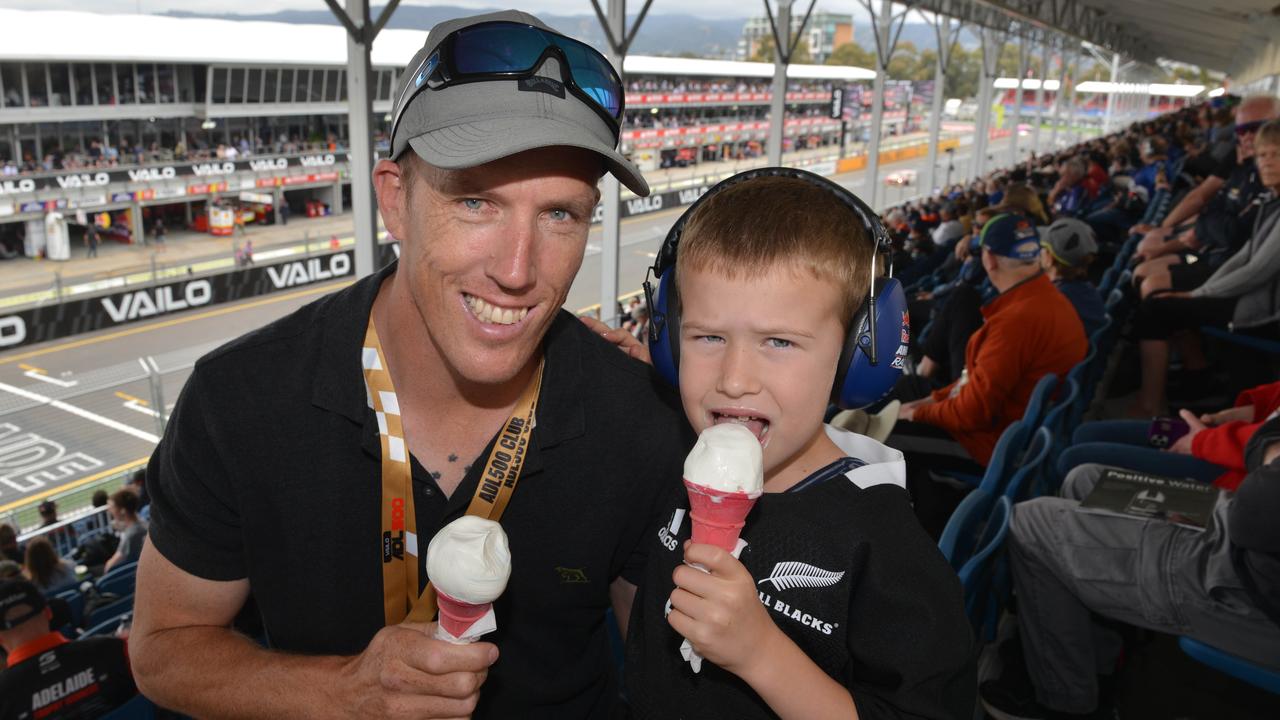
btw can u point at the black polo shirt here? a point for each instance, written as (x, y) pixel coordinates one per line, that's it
(270, 470)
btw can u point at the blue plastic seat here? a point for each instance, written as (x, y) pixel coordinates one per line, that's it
(960, 538)
(139, 708)
(1039, 400)
(112, 610)
(983, 600)
(1270, 347)
(1229, 664)
(1108, 281)
(1003, 457)
(1055, 421)
(107, 626)
(120, 581)
(1027, 480)
(75, 601)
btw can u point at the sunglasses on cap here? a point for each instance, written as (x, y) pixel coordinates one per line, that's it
(504, 50)
(1249, 127)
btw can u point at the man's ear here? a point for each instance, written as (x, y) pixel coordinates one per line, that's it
(391, 188)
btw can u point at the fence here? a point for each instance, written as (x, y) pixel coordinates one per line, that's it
(34, 468)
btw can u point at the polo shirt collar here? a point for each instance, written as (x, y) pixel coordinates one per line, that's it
(339, 382)
(35, 647)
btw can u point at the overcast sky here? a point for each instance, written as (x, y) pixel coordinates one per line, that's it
(704, 8)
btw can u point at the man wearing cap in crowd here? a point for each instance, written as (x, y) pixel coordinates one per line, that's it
(309, 463)
(46, 676)
(1069, 246)
(1028, 330)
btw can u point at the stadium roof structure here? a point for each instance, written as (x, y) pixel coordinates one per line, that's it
(60, 36)
(651, 65)
(1236, 36)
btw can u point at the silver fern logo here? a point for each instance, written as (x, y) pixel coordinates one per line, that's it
(787, 575)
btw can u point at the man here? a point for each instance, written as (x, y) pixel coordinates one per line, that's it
(1030, 329)
(278, 476)
(949, 229)
(1069, 195)
(48, 513)
(1220, 585)
(47, 676)
(91, 239)
(1213, 219)
(132, 530)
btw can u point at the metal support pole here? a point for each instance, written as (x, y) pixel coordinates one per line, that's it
(1044, 78)
(1023, 53)
(1111, 96)
(611, 190)
(1057, 97)
(992, 44)
(884, 49)
(1071, 105)
(360, 121)
(361, 32)
(778, 98)
(614, 23)
(942, 27)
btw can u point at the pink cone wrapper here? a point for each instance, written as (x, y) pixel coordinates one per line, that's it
(456, 617)
(718, 516)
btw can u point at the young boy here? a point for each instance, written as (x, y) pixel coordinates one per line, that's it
(839, 606)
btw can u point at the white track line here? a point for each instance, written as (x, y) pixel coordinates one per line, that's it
(81, 412)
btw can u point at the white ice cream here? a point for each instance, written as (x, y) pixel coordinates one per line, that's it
(728, 458)
(469, 560)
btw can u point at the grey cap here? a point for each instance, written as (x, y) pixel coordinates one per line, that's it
(469, 124)
(1069, 240)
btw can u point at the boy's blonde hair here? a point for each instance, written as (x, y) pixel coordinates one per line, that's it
(747, 229)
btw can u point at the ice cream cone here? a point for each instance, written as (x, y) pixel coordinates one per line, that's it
(718, 516)
(457, 616)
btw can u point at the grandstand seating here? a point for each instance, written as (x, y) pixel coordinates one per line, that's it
(982, 605)
(1229, 664)
(1039, 399)
(75, 601)
(119, 581)
(108, 626)
(113, 610)
(1026, 480)
(139, 708)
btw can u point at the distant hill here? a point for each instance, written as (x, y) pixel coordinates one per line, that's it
(661, 34)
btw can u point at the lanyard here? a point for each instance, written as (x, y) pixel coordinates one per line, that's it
(399, 521)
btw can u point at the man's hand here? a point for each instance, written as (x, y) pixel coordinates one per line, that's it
(1183, 445)
(625, 341)
(1153, 243)
(908, 410)
(718, 611)
(1142, 228)
(406, 673)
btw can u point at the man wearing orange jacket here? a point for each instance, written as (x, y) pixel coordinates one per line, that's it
(1030, 329)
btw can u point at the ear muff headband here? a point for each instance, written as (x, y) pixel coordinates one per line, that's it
(875, 345)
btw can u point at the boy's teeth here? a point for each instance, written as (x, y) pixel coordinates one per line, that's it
(488, 313)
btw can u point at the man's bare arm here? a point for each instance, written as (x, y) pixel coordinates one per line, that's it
(186, 657)
(1193, 202)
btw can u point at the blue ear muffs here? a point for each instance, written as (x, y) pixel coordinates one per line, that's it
(876, 345)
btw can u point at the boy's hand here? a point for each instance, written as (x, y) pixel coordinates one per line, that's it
(1243, 413)
(625, 341)
(718, 611)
